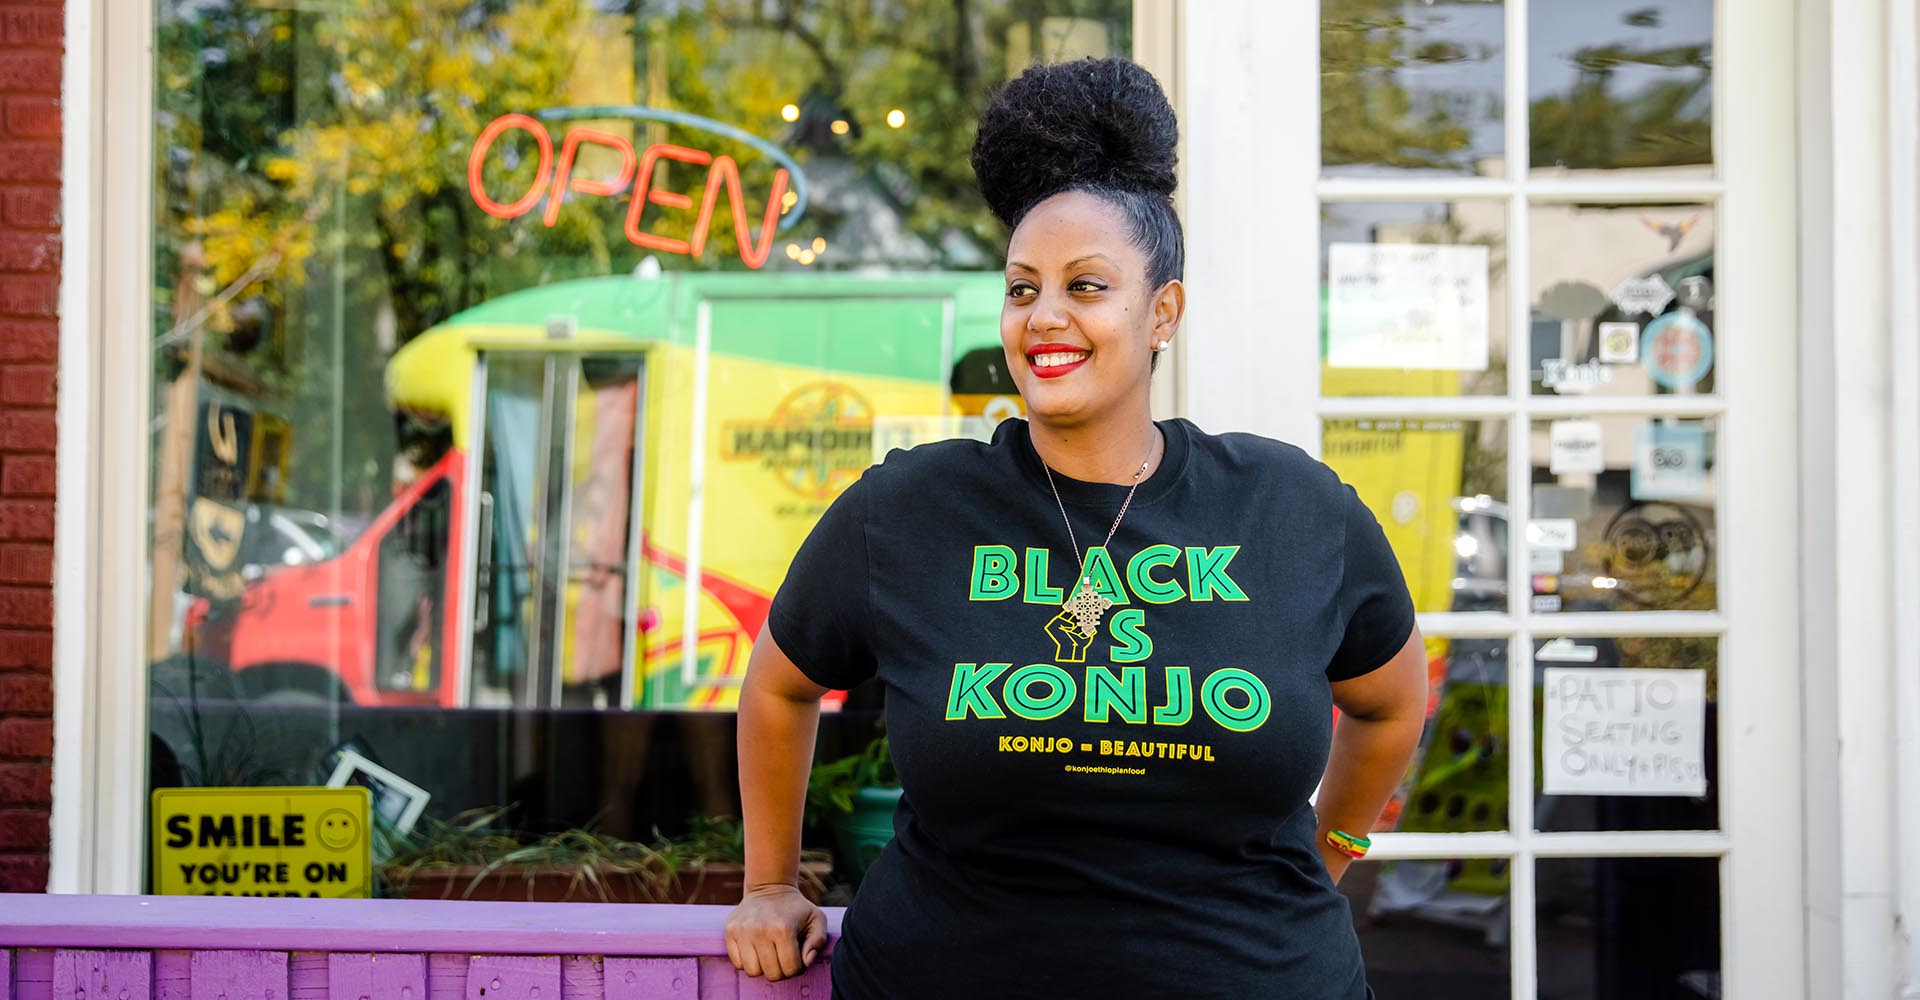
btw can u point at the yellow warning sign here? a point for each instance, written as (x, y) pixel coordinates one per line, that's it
(261, 842)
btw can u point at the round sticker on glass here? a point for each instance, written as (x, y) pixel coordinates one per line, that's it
(1677, 350)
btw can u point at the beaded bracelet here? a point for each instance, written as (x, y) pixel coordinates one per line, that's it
(1348, 844)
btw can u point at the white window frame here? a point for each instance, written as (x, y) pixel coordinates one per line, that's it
(1252, 133)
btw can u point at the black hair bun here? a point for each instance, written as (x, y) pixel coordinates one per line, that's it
(1100, 123)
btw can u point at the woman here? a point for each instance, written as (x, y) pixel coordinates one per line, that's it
(1111, 648)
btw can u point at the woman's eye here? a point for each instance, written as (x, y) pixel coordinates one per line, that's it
(1086, 286)
(1016, 290)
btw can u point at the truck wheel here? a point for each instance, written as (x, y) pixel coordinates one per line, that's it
(291, 685)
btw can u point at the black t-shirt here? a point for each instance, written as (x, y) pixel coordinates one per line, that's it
(1120, 817)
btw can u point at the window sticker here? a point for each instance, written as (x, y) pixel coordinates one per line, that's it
(1669, 462)
(1407, 306)
(1576, 446)
(1619, 343)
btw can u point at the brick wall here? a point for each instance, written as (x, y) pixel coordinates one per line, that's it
(31, 33)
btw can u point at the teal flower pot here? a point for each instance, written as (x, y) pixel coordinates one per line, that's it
(862, 833)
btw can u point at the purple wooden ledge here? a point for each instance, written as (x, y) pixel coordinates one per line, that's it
(365, 925)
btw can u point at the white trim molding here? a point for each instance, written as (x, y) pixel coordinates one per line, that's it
(1852, 478)
(1903, 135)
(100, 721)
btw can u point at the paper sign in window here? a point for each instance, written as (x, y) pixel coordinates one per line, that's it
(1406, 306)
(1617, 731)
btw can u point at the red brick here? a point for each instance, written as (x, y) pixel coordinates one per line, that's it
(25, 738)
(23, 873)
(26, 520)
(33, 117)
(29, 161)
(26, 694)
(29, 340)
(31, 207)
(21, 563)
(29, 71)
(28, 430)
(29, 295)
(27, 475)
(29, 385)
(23, 828)
(29, 650)
(26, 784)
(30, 607)
(29, 251)
(34, 27)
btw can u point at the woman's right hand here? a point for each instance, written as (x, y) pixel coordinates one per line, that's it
(775, 932)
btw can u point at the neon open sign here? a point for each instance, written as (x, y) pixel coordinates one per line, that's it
(554, 178)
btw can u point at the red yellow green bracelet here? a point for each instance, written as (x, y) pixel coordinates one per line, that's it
(1348, 844)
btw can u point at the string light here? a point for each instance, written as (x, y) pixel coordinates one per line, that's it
(807, 257)
(790, 112)
(819, 244)
(793, 251)
(896, 118)
(840, 126)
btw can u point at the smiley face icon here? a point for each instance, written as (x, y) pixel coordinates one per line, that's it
(338, 829)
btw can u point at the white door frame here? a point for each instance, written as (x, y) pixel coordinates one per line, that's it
(1253, 190)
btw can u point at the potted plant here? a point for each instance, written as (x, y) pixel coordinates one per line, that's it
(856, 795)
(473, 857)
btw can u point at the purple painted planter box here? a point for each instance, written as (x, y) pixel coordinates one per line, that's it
(227, 948)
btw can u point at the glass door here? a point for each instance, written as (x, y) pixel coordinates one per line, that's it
(1526, 348)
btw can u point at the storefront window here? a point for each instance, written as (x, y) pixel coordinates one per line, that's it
(1412, 87)
(506, 351)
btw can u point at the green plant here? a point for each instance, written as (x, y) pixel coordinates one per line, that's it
(831, 786)
(476, 839)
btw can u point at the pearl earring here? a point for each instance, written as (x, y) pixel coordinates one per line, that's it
(1159, 345)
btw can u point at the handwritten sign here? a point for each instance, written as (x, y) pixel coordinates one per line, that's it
(1406, 306)
(261, 842)
(1614, 731)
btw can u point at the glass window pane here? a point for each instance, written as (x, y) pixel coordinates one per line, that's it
(1620, 84)
(1457, 781)
(1414, 298)
(1633, 747)
(1439, 489)
(355, 202)
(1412, 87)
(1623, 514)
(1433, 929)
(1628, 928)
(1622, 299)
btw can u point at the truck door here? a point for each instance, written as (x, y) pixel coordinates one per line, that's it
(556, 576)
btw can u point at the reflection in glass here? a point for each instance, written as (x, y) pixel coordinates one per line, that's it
(1620, 83)
(1412, 86)
(1438, 489)
(1458, 778)
(1623, 747)
(1623, 514)
(331, 261)
(1622, 299)
(1628, 928)
(1432, 930)
(1414, 298)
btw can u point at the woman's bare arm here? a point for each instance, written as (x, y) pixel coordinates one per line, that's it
(1382, 713)
(775, 931)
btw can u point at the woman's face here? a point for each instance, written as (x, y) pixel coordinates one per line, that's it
(1079, 321)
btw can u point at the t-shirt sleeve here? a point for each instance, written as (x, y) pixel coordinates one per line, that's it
(821, 616)
(1375, 608)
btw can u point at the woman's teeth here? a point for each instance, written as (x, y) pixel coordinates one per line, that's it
(1058, 358)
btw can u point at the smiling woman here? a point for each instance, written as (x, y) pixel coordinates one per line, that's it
(1019, 839)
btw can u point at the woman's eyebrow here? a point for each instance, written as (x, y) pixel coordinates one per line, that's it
(1015, 265)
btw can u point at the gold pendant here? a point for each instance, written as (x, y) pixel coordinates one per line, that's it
(1087, 605)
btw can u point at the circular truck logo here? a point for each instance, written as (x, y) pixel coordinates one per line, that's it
(816, 441)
